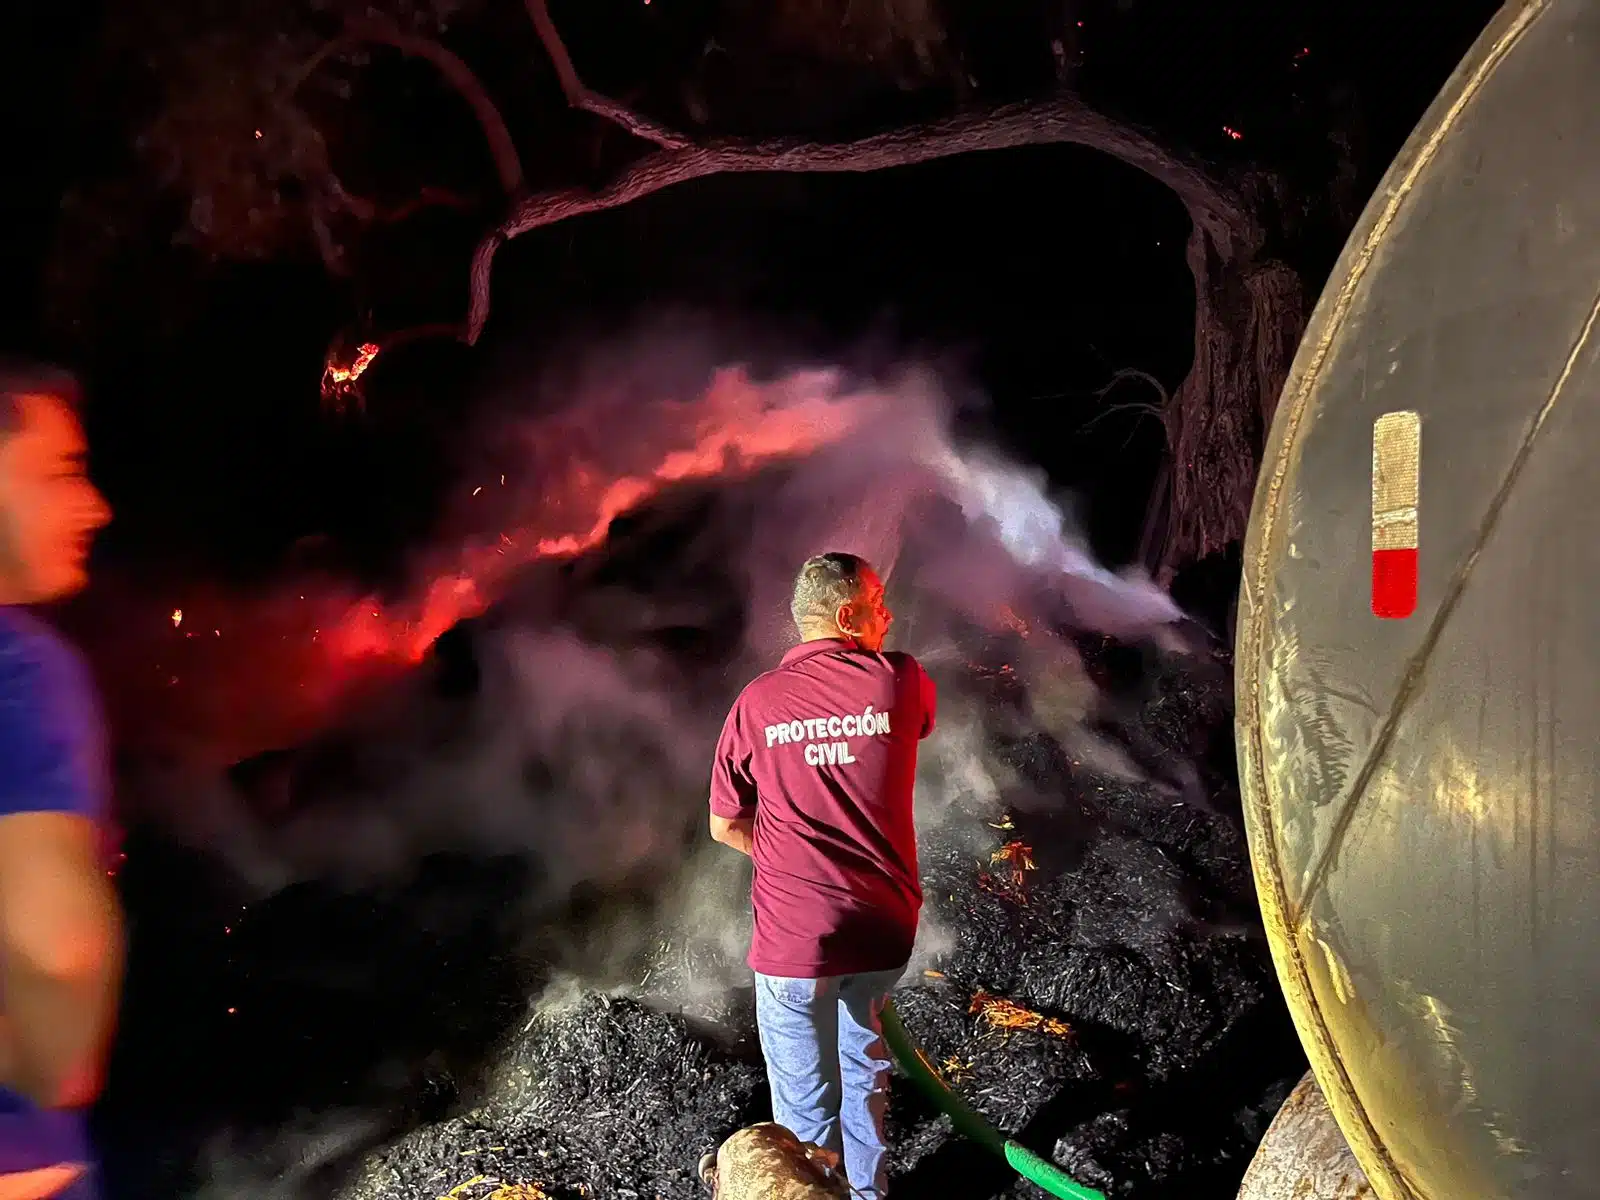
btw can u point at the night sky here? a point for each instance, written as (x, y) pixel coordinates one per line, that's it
(1032, 275)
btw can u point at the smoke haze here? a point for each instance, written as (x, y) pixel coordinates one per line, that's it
(587, 743)
(623, 557)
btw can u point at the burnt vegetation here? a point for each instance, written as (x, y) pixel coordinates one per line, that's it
(1092, 978)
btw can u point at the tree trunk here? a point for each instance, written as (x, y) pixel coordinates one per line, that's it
(1248, 318)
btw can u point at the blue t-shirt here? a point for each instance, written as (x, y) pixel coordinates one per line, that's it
(52, 759)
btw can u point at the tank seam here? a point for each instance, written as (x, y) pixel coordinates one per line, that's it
(1264, 848)
(1416, 666)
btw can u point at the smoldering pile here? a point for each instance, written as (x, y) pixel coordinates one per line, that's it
(486, 946)
(1089, 980)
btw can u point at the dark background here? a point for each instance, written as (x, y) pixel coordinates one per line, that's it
(1037, 273)
(1030, 276)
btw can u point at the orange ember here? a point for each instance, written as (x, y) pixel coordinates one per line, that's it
(484, 1187)
(1012, 621)
(1008, 888)
(1008, 1016)
(955, 1068)
(1019, 855)
(339, 379)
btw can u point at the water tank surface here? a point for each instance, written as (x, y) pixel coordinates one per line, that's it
(1421, 792)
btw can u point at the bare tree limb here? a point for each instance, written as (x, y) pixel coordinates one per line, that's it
(1210, 469)
(368, 211)
(580, 97)
(507, 162)
(1119, 375)
(1061, 120)
(1239, 355)
(1156, 410)
(344, 369)
(415, 333)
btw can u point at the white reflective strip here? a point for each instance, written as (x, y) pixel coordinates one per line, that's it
(1396, 480)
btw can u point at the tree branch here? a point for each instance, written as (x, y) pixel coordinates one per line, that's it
(582, 98)
(1119, 375)
(1211, 463)
(345, 366)
(508, 164)
(1061, 120)
(370, 213)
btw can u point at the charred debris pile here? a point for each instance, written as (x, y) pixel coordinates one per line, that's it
(1092, 975)
(1093, 982)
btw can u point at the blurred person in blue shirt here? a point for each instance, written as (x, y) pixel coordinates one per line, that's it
(60, 923)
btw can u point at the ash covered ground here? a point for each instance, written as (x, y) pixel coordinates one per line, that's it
(1111, 1005)
(473, 938)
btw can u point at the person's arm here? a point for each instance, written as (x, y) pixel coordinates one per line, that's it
(737, 832)
(733, 788)
(930, 701)
(60, 923)
(60, 957)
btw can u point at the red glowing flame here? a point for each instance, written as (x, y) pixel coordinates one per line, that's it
(730, 432)
(221, 676)
(339, 379)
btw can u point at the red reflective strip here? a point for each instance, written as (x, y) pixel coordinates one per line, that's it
(1394, 583)
(1396, 489)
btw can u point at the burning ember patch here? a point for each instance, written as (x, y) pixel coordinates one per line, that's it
(471, 1190)
(1009, 618)
(955, 1068)
(733, 430)
(618, 1095)
(1008, 1016)
(339, 378)
(1017, 853)
(1016, 859)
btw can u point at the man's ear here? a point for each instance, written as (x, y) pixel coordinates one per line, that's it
(845, 619)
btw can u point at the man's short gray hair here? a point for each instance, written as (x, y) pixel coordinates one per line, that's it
(19, 378)
(826, 583)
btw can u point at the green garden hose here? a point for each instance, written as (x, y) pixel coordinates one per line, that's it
(969, 1124)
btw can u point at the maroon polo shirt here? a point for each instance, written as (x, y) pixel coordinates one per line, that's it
(822, 752)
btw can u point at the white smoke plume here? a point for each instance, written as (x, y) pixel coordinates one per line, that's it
(624, 548)
(608, 655)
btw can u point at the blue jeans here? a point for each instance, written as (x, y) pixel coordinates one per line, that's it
(828, 1066)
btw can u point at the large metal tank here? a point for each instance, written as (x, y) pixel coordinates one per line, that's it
(1421, 793)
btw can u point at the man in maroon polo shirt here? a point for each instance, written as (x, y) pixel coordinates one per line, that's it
(813, 779)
